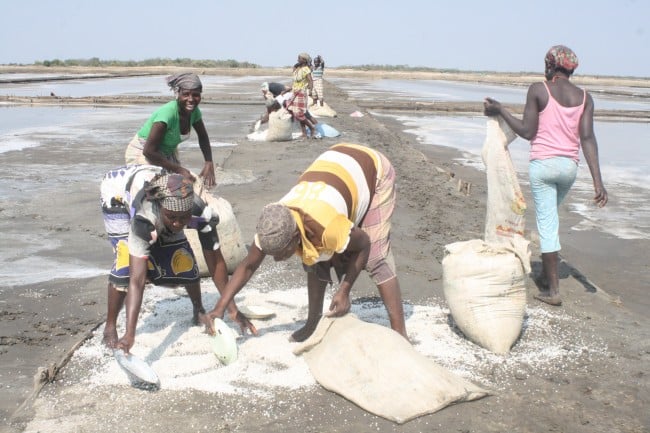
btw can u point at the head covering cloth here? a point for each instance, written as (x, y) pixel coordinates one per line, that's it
(563, 57)
(275, 228)
(185, 81)
(304, 56)
(172, 191)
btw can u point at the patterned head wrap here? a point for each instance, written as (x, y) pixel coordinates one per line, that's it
(172, 191)
(563, 57)
(304, 56)
(186, 81)
(275, 228)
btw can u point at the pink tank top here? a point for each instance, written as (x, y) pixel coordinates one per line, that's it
(558, 130)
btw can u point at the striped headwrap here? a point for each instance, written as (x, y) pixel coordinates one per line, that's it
(186, 81)
(172, 191)
(563, 57)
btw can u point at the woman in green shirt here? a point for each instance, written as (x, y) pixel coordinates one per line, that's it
(156, 143)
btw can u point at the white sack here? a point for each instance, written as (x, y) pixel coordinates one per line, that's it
(230, 237)
(504, 220)
(280, 128)
(484, 281)
(485, 288)
(376, 368)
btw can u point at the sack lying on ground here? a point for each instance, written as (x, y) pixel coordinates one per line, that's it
(230, 237)
(485, 288)
(376, 368)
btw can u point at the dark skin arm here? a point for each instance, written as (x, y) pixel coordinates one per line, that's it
(207, 173)
(133, 301)
(310, 86)
(527, 128)
(152, 152)
(219, 272)
(359, 246)
(238, 280)
(590, 151)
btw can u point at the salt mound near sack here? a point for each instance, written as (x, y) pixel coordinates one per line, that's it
(484, 281)
(485, 288)
(377, 369)
(324, 110)
(230, 237)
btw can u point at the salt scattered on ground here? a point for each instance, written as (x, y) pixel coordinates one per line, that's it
(182, 357)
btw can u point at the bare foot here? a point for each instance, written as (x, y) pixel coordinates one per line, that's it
(110, 338)
(551, 299)
(305, 332)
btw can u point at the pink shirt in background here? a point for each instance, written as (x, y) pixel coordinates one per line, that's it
(558, 130)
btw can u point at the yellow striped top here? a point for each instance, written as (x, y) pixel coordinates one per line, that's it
(331, 197)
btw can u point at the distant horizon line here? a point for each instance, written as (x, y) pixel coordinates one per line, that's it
(95, 62)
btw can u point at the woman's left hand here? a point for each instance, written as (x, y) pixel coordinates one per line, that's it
(209, 179)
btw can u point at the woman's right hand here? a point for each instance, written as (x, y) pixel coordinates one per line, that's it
(491, 107)
(209, 322)
(125, 343)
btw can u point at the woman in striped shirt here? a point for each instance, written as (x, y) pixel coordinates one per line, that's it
(337, 216)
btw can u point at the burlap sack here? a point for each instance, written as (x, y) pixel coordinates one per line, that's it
(230, 237)
(505, 219)
(377, 369)
(280, 126)
(484, 281)
(485, 288)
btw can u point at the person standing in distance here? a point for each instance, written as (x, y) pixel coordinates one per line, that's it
(558, 120)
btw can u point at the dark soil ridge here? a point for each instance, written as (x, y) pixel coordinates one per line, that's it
(440, 107)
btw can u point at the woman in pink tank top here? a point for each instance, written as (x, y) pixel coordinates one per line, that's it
(558, 119)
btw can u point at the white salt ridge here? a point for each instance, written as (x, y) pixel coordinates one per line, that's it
(181, 354)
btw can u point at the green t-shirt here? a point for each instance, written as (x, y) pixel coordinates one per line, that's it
(168, 114)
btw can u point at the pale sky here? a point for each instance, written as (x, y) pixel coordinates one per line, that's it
(610, 37)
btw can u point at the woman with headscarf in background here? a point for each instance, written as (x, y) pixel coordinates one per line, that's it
(156, 143)
(317, 77)
(558, 120)
(302, 85)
